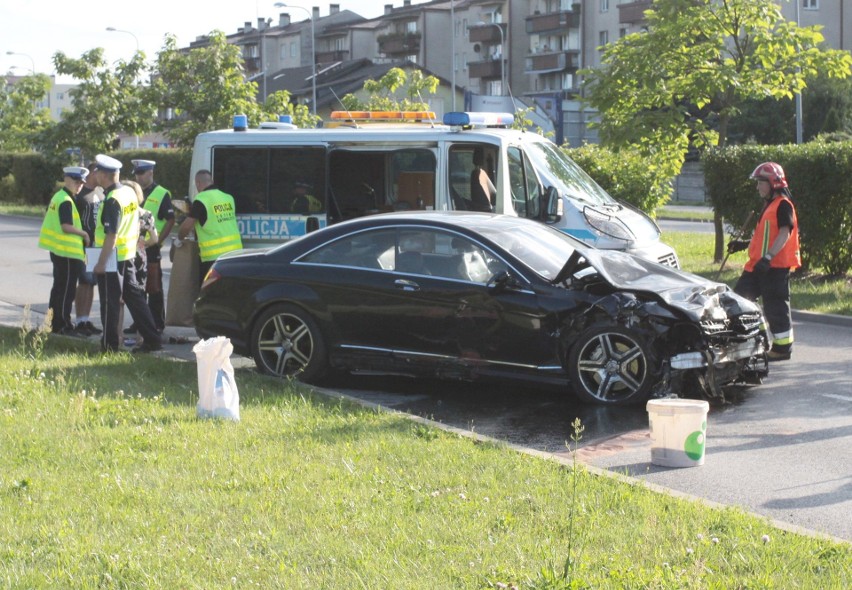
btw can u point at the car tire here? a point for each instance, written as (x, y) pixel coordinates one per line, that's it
(611, 365)
(287, 342)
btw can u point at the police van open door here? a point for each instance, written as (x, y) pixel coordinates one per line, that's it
(368, 179)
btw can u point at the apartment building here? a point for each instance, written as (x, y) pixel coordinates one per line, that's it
(499, 52)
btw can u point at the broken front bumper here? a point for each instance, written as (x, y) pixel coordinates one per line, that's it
(718, 356)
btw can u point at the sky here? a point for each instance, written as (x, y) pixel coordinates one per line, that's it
(40, 28)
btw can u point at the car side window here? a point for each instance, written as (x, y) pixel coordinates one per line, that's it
(361, 250)
(445, 255)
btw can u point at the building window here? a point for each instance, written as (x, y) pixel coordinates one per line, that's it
(60, 96)
(293, 49)
(603, 38)
(604, 5)
(622, 32)
(411, 27)
(810, 4)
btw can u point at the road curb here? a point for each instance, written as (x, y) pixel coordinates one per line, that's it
(822, 318)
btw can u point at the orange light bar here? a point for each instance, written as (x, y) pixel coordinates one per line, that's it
(384, 115)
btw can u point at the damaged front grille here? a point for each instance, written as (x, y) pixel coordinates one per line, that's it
(714, 327)
(746, 323)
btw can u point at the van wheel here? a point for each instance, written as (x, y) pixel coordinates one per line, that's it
(610, 365)
(286, 342)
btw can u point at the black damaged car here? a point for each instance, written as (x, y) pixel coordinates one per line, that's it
(474, 295)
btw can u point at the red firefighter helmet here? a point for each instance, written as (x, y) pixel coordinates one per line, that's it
(771, 172)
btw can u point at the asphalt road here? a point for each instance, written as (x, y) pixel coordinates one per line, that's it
(782, 449)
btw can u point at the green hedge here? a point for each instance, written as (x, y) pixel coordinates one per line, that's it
(818, 175)
(32, 178)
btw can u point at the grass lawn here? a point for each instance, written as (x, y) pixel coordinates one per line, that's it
(108, 480)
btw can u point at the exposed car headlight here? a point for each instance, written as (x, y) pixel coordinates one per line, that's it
(608, 225)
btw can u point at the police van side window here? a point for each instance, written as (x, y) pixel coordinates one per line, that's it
(272, 179)
(469, 190)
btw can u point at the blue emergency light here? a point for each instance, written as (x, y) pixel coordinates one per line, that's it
(240, 122)
(285, 119)
(483, 119)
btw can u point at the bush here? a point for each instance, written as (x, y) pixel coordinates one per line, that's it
(625, 175)
(36, 178)
(33, 178)
(172, 169)
(816, 173)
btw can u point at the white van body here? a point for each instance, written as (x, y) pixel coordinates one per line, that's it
(364, 169)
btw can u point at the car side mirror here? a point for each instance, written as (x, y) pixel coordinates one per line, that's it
(552, 205)
(502, 281)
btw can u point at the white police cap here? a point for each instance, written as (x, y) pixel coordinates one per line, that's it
(107, 164)
(143, 165)
(76, 172)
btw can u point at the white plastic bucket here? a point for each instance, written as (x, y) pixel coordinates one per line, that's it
(678, 431)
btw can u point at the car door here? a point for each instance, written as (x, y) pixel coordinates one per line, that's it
(422, 293)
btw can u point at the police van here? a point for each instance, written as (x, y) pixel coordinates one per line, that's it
(287, 181)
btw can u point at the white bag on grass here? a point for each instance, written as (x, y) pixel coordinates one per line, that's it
(217, 390)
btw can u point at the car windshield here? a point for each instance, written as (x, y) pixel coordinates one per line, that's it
(541, 248)
(560, 171)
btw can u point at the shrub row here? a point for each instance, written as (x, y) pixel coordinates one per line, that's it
(818, 175)
(33, 179)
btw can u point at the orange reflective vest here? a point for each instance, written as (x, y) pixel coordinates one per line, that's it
(765, 234)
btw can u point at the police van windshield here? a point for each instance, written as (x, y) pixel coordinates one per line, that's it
(556, 169)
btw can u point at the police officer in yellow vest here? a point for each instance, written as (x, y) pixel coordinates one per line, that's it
(773, 252)
(117, 231)
(213, 217)
(63, 236)
(158, 201)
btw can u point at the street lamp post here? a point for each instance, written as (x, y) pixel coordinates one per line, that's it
(114, 30)
(502, 61)
(32, 61)
(313, 53)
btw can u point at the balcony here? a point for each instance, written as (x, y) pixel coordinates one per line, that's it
(251, 64)
(633, 12)
(399, 43)
(489, 68)
(560, 61)
(554, 22)
(326, 57)
(486, 33)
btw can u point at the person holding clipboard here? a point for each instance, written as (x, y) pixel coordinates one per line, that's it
(117, 234)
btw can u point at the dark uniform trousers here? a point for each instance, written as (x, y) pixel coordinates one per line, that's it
(154, 286)
(112, 288)
(774, 290)
(66, 273)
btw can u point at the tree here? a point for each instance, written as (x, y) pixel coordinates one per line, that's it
(383, 92)
(678, 84)
(109, 99)
(21, 120)
(826, 112)
(205, 87)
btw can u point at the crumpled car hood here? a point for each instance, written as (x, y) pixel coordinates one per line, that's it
(696, 296)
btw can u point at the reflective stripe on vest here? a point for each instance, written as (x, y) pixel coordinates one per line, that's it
(152, 204)
(127, 233)
(220, 232)
(765, 234)
(53, 238)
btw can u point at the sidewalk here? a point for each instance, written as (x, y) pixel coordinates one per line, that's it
(177, 341)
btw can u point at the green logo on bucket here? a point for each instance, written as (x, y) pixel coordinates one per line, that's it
(694, 445)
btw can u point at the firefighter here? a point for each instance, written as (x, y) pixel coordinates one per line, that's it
(773, 252)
